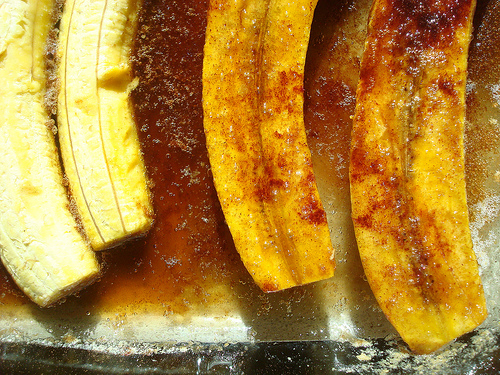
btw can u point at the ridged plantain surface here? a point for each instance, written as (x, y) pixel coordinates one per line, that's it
(40, 244)
(253, 73)
(407, 175)
(98, 136)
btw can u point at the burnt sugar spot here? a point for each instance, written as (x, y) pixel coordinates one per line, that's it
(427, 24)
(313, 212)
(269, 184)
(281, 94)
(364, 162)
(447, 86)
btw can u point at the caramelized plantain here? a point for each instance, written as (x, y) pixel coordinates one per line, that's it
(407, 175)
(253, 73)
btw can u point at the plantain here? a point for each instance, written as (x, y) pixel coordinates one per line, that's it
(40, 244)
(407, 177)
(98, 136)
(253, 71)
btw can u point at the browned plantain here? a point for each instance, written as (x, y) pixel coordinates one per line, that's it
(253, 99)
(407, 170)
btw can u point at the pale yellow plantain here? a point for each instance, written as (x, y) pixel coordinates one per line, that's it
(99, 141)
(407, 171)
(253, 73)
(40, 244)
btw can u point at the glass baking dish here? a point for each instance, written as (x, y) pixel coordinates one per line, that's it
(180, 301)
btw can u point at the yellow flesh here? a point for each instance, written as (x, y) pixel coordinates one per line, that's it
(39, 242)
(98, 136)
(253, 74)
(407, 171)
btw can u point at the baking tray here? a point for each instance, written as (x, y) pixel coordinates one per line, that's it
(180, 301)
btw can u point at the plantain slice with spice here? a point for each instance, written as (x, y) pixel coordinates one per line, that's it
(407, 175)
(253, 73)
(40, 244)
(98, 136)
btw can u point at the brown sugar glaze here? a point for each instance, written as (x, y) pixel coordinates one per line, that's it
(187, 263)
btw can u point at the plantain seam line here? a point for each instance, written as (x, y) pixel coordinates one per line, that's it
(99, 116)
(66, 48)
(271, 210)
(407, 134)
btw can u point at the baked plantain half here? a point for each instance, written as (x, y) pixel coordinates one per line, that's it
(409, 204)
(253, 95)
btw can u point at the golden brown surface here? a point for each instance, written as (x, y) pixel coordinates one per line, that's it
(253, 76)
(407, 171)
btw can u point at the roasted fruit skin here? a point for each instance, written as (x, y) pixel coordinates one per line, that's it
(253, 73)
(407, 177)
(40, 244)
(99, 142)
